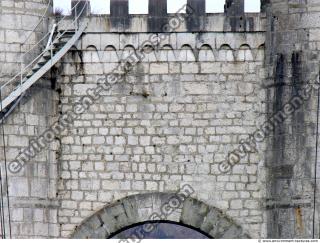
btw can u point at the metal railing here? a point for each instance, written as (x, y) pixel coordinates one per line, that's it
(24, 70)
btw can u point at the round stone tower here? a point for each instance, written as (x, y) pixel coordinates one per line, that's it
(292, 62)
(32, 189)
(23, 24)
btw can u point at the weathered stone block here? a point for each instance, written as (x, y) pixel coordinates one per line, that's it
(193, 212)
(196, 88)
(159, 68)
(19, 187)
(190, 67)
(210, 67)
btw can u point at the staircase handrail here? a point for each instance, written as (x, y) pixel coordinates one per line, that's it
(41, 20)
(23, 70)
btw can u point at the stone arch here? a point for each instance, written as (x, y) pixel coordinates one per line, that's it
(166, 54)
(127, 51)
(244, 53)
(110, 54)
(260, 52)
(206, 53)
(91, 55)
(74, 55)
(226, 53)
(149, 53)
(187, 54)
(152, 207)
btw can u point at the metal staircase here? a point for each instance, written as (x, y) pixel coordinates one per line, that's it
(59, 43)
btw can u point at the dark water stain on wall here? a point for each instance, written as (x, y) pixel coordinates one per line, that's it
(264, 4)
(278, 136)
(234, 10)
(195, 15)
(157, 17)
(298, 119)
(119, 14)
(77, 57)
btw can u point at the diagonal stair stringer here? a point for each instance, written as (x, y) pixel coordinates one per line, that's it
(21, 88)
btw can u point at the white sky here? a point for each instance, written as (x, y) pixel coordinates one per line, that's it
(141, 6)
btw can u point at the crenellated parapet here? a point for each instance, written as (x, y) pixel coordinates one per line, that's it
(193, 15)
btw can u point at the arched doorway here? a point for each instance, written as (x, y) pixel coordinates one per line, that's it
(170, 208)
(159, 230)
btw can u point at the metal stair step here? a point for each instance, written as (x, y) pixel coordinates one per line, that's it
(30, 74)
(64, 35)
(67, 30)
(43, 60)
(36, 67)
(47, 55)
(67, 34)
(60, 44)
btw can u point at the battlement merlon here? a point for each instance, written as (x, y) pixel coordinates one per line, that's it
(234, 19)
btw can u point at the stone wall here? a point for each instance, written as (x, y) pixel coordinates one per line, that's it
(168, 122)
(32, 191)
(292, 61)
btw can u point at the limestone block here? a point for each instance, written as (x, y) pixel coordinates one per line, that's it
(193, 212)
(159, 68)
(81, 89)
(190, 67)
(41, 229)
(186, 39)
(251, 204)
(90, 68)
(17, 214)
(208, 67)
(10, 21)
(18, 141)
(196, 88)
(19, 187)
(108, 39)
(90, 40)
(236, 204)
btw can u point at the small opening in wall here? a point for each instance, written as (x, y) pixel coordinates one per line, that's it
(252, 6)
(62, 7)
(138, 6)
(175, 6)
(215, 6)
(100, 6)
